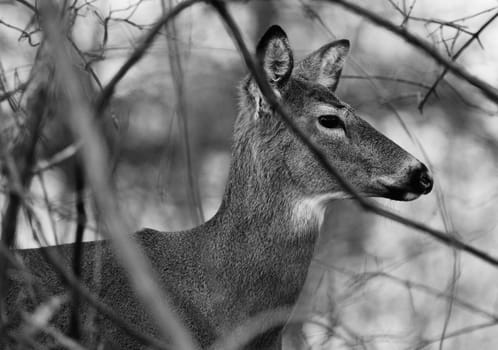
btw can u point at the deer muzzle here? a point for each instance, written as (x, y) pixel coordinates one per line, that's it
(422, 181)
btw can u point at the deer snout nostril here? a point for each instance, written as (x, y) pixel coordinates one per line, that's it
(425, 181)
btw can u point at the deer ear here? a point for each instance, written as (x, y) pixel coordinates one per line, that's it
(324, 66)
(275, 56)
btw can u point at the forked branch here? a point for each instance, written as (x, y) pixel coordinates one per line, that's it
(488, 90)
(474, 37)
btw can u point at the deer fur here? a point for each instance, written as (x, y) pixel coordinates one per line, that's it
(253, 255)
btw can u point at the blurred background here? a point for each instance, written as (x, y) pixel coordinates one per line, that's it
(374, 284)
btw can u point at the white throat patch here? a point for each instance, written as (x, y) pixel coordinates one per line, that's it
(309, 211)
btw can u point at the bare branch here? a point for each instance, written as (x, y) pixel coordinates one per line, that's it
(58, 158)
(96, 170)
(20, 88)
(489, 91)
(381, 77)
(181, 111)
(457, 333)
(139, 52)
(475, 36)
(24, 33)
(27, 4)
(25, 161)
(81, 220)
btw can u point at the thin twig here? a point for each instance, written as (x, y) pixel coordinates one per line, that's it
(456, 333)
(28, 5)
(475, 36)
(181, 111)
(138, 53)
(20, 178)
(87, 65)
(8, 94)
(58, 158)
(81, 219)
(468, 103)
(386, 78)
(25, 163)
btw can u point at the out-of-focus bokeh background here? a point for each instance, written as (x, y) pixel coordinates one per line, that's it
(378, 284)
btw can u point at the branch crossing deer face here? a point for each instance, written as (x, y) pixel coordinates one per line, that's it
(373, 164)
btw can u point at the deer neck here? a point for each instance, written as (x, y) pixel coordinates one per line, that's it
(262, 205)
(264, 238)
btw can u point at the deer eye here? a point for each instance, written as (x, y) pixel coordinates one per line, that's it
(331, 121)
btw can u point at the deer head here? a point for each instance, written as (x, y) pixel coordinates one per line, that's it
(372, 163)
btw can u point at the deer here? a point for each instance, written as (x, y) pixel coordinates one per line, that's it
(253, 254)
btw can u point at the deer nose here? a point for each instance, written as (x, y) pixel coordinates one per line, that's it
(422, 180)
